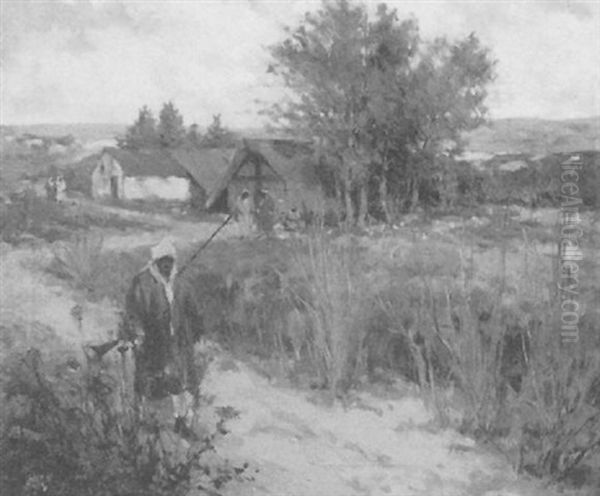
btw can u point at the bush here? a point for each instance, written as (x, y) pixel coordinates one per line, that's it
(499, 345)
(69, 429)
(28, 215)
(331, 289)
(79, 260)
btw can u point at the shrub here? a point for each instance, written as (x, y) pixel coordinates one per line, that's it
(557, 420)
(332, 291)
(499, 344)
(71, 430)
(28, 215)
(79, 260)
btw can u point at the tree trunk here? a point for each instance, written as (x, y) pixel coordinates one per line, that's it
(349, 207)
(363, 207)
(383, 195)
(414, 195)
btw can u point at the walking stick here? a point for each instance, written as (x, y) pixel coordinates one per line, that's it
(204, 245)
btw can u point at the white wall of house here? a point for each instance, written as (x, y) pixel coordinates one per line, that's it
(106, 171)
(164, 188)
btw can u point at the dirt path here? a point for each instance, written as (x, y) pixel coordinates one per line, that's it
(379, 445)
(184, 232)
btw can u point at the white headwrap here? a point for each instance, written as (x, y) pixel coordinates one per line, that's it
(165, 248)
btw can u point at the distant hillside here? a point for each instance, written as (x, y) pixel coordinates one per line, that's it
(536, 136)
(84, 133)
(530, 136)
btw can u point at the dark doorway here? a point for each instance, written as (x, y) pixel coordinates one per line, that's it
(114, 187)
(221, 204)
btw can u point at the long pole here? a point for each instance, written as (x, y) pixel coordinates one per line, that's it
(205, 244)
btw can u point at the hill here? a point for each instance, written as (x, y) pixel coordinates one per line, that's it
(517, 135)
(83, 132)
(536, 136)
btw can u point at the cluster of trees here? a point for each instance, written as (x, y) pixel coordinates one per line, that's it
(170, 132)
(383, 104)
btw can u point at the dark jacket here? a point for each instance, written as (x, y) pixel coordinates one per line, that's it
(167, 348)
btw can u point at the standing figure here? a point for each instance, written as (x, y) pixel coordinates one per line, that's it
(164, 356)
(243, 212)
(51, 189)
(61, 188)
(265, 212)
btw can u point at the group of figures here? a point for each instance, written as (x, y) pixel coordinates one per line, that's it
(253, 217)
(262, 217)
(56, 188)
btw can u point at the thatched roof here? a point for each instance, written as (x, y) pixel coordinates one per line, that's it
(144, 163)
(243, 155)
(205, 166)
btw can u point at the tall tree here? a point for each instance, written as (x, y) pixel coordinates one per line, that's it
(142, 134)
(323, 62)
(217, 136)
(171, 131)
(379, 101)
(193, 136)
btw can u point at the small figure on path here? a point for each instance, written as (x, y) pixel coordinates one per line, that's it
(51, 190)
(243, 213)
(164, 353)
(265, 212)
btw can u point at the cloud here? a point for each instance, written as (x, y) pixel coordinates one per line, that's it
(100, 61)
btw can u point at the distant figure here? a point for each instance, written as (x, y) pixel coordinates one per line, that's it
(51, 191)
(293, 220)
(265, 212)
(244, 213)
(164, 354)
(61, 188)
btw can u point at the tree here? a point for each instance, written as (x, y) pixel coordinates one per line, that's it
(171, 131)
(142, 134)
(217, 136)
(193, 136)
(379, 101)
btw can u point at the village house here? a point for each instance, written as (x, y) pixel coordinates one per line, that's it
(277, 165)
(154, 175)
(208, 178)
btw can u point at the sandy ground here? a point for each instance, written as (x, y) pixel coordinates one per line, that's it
(388, 445)
(29, 297)
(296, 444)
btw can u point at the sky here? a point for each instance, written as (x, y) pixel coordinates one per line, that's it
(100, 61)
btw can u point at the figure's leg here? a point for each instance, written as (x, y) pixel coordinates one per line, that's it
(181, 410)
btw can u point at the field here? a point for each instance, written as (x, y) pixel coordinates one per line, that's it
(420, 357)
(326, 351)
(535, 136)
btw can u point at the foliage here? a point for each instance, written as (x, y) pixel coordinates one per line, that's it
(499, 345)
(79, 260)
(193, 136)
(217, 136)
(171, 131)
(71, 430)
(327, 314)
(143, 132)
(382, 103)
(28, 215)
(329, 286)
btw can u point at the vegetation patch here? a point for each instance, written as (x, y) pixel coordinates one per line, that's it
(71, 429)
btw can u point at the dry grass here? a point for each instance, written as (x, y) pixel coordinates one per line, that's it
(333, 293)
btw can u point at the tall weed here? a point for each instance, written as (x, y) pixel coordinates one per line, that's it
(499, 344)
(79, 260)
(333, 293)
